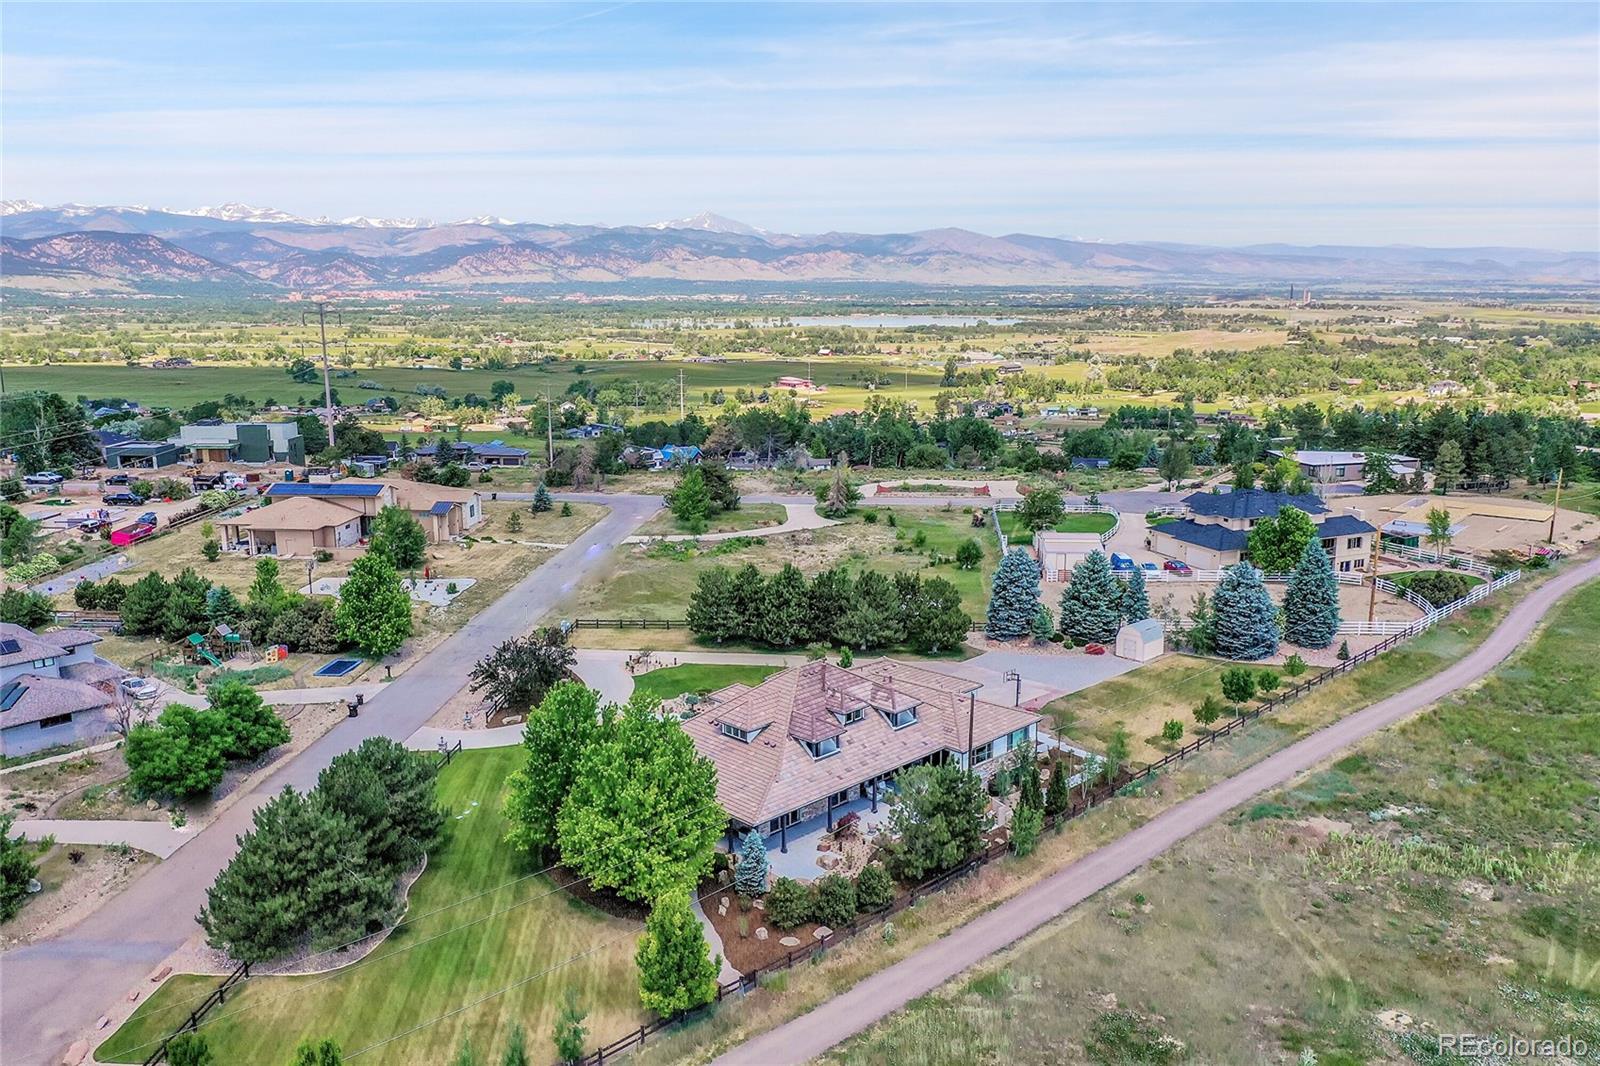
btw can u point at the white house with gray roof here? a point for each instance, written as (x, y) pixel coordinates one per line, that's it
(54, 690)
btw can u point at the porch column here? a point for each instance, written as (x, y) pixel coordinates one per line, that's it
(783, 835)
(830, 814)
(872, 789)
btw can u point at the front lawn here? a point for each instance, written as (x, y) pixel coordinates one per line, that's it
(520, 928)
(1079, 522)
(673, 681)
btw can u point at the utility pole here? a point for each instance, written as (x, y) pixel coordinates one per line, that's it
(321, 304)
(680, 394)
(1372, 596)
(549, 433)
(1551, 539)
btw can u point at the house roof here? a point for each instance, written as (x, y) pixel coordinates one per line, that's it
(298, 513)
(421, 496)
(1249, 503)
(773, 773)
(1343, 525)
(28, 699)
(20, 645)
(1205, 534)
(366, 489)
(1314, 457)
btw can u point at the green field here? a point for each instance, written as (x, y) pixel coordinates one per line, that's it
(671, 682)
(521, 927)
(1442, 878)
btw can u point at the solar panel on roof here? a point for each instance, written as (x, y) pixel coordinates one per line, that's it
(9, 646)
(284, 488)
(11, 694)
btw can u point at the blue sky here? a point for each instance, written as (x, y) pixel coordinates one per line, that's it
(1378, 124)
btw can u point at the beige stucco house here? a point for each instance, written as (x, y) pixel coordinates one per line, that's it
(300, 519)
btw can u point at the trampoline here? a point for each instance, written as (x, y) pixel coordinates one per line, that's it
(338, 667)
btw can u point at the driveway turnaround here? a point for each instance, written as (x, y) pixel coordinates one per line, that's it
(158, 838)
(873, 999)
(56, 988)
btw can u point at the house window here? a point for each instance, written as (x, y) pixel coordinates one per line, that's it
(821, 749)
(901, 719)
(734, 731)
(44, 662)
(54, 720)
(850, 717)
(778, 823)
(1352, 542)
(983, 752)
(1344, 567)
(839, 797)
(1018, 738)
(1330, 544)
(1338, 472)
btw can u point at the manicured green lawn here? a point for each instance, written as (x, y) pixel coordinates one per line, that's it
(751, 516)
(399, 988)
(672, 681)
(1087, 522)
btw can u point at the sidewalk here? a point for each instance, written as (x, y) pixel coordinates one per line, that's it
(158, 838)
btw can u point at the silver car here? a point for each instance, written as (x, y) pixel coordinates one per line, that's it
(141, 688)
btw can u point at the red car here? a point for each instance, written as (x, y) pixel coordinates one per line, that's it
(1094, 649)
(1174, 566)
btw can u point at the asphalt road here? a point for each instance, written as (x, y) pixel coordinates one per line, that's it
(871, 1000)
(51, 992)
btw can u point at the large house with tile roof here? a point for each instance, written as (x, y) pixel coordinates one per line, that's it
(812, 737)
(301, 518)
(1216, 533)
(54, 691)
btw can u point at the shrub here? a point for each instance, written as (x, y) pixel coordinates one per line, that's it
(211, 550)
(1025, 826)
(1239, 684)
(1267, 681)
(874, 888)
(1344, 651)
(835, 903)
(1172, 730)
(1294, 666)
(1440, 587)
(789, 903)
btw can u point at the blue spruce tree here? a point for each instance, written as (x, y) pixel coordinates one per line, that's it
(750, 875)
(1311, 601)
(1246, 617)
(1091, 606)
(1014, 597)
(1135, 598)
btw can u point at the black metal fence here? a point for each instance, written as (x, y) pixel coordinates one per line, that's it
(218, 995)
(1088, 800)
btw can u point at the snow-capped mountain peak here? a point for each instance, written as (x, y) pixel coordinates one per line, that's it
(237, 212)
(484, 220)
(17, 207)
(368, 222)
(710, 223)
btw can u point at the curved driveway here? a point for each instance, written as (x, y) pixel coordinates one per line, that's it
(53, 990)
(873, 999)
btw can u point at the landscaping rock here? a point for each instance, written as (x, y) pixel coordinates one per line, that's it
(759, 904)
(790, 941)
(151, 805)
(161, 973)
(723, 902)
(761, 932)
(76, 1053)
(133, 995)
(103, 1022)
(821, 932)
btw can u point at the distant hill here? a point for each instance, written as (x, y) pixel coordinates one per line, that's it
(271, 249)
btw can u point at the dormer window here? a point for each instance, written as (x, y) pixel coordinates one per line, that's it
(821, 749)
(850, 717)
(744, 736)
(901, 718)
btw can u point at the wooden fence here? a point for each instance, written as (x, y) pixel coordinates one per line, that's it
(218, 995)
(445, 755)
(89, 619)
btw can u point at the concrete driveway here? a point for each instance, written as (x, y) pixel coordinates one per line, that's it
(1045, 675)
(158, 838)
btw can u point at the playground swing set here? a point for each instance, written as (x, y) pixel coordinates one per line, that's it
(220, 645)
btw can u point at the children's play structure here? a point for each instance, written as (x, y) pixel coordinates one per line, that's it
(216, 647)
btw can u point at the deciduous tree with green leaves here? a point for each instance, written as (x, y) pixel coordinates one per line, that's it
(399, 537)
(17, 868)
(1041, 509)
(248, 727)
(180, 754)
(568, 1032)
(642, 816)
(374, 611)
(691, 501)
(676, 970)
(518, 672)
(969, 555)
(557, 734)
(1277, 542)
(324, 1052)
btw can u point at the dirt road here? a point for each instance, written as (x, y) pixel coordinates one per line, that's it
(873, 999)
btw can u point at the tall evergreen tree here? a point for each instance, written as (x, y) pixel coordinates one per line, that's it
(713, 615)
(936, 622)
(1448, 465)
(541, 499)
(1135, 598)
(749, 599)
(826, 601)
(750, 875)
(1246, 617)
(1311, 600)
(1091, 604)
(783, 622)
(1014, 596)
(676, 971)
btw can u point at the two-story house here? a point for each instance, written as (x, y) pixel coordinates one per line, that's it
(54, 691)
(1216, 534)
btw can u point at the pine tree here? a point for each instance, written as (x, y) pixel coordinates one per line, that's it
(676, 971)
(144, 605)
(1135, 598)
(1059, 797)
(516, 1053)
(691, 501)
(749, 599)
(783, 622)
(1044, 625)
(1311, 600)
(541, 500)
(1246, 617)
(1014, 596)
(324, 1052)
(1091, 605)
(750, 875)
(826, 601)
(1448, 464)
(712, 613)
(935, 621)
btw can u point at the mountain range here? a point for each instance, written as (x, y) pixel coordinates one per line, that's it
(261, 249)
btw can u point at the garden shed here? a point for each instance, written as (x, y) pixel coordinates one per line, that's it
(1141, 641)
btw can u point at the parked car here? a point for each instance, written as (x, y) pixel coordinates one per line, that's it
(141, 688)
(1151, 567)
(148, 519)
(44, 479)
(1176, 566)
(1123, 562)
(120, 479)
(121, 499)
